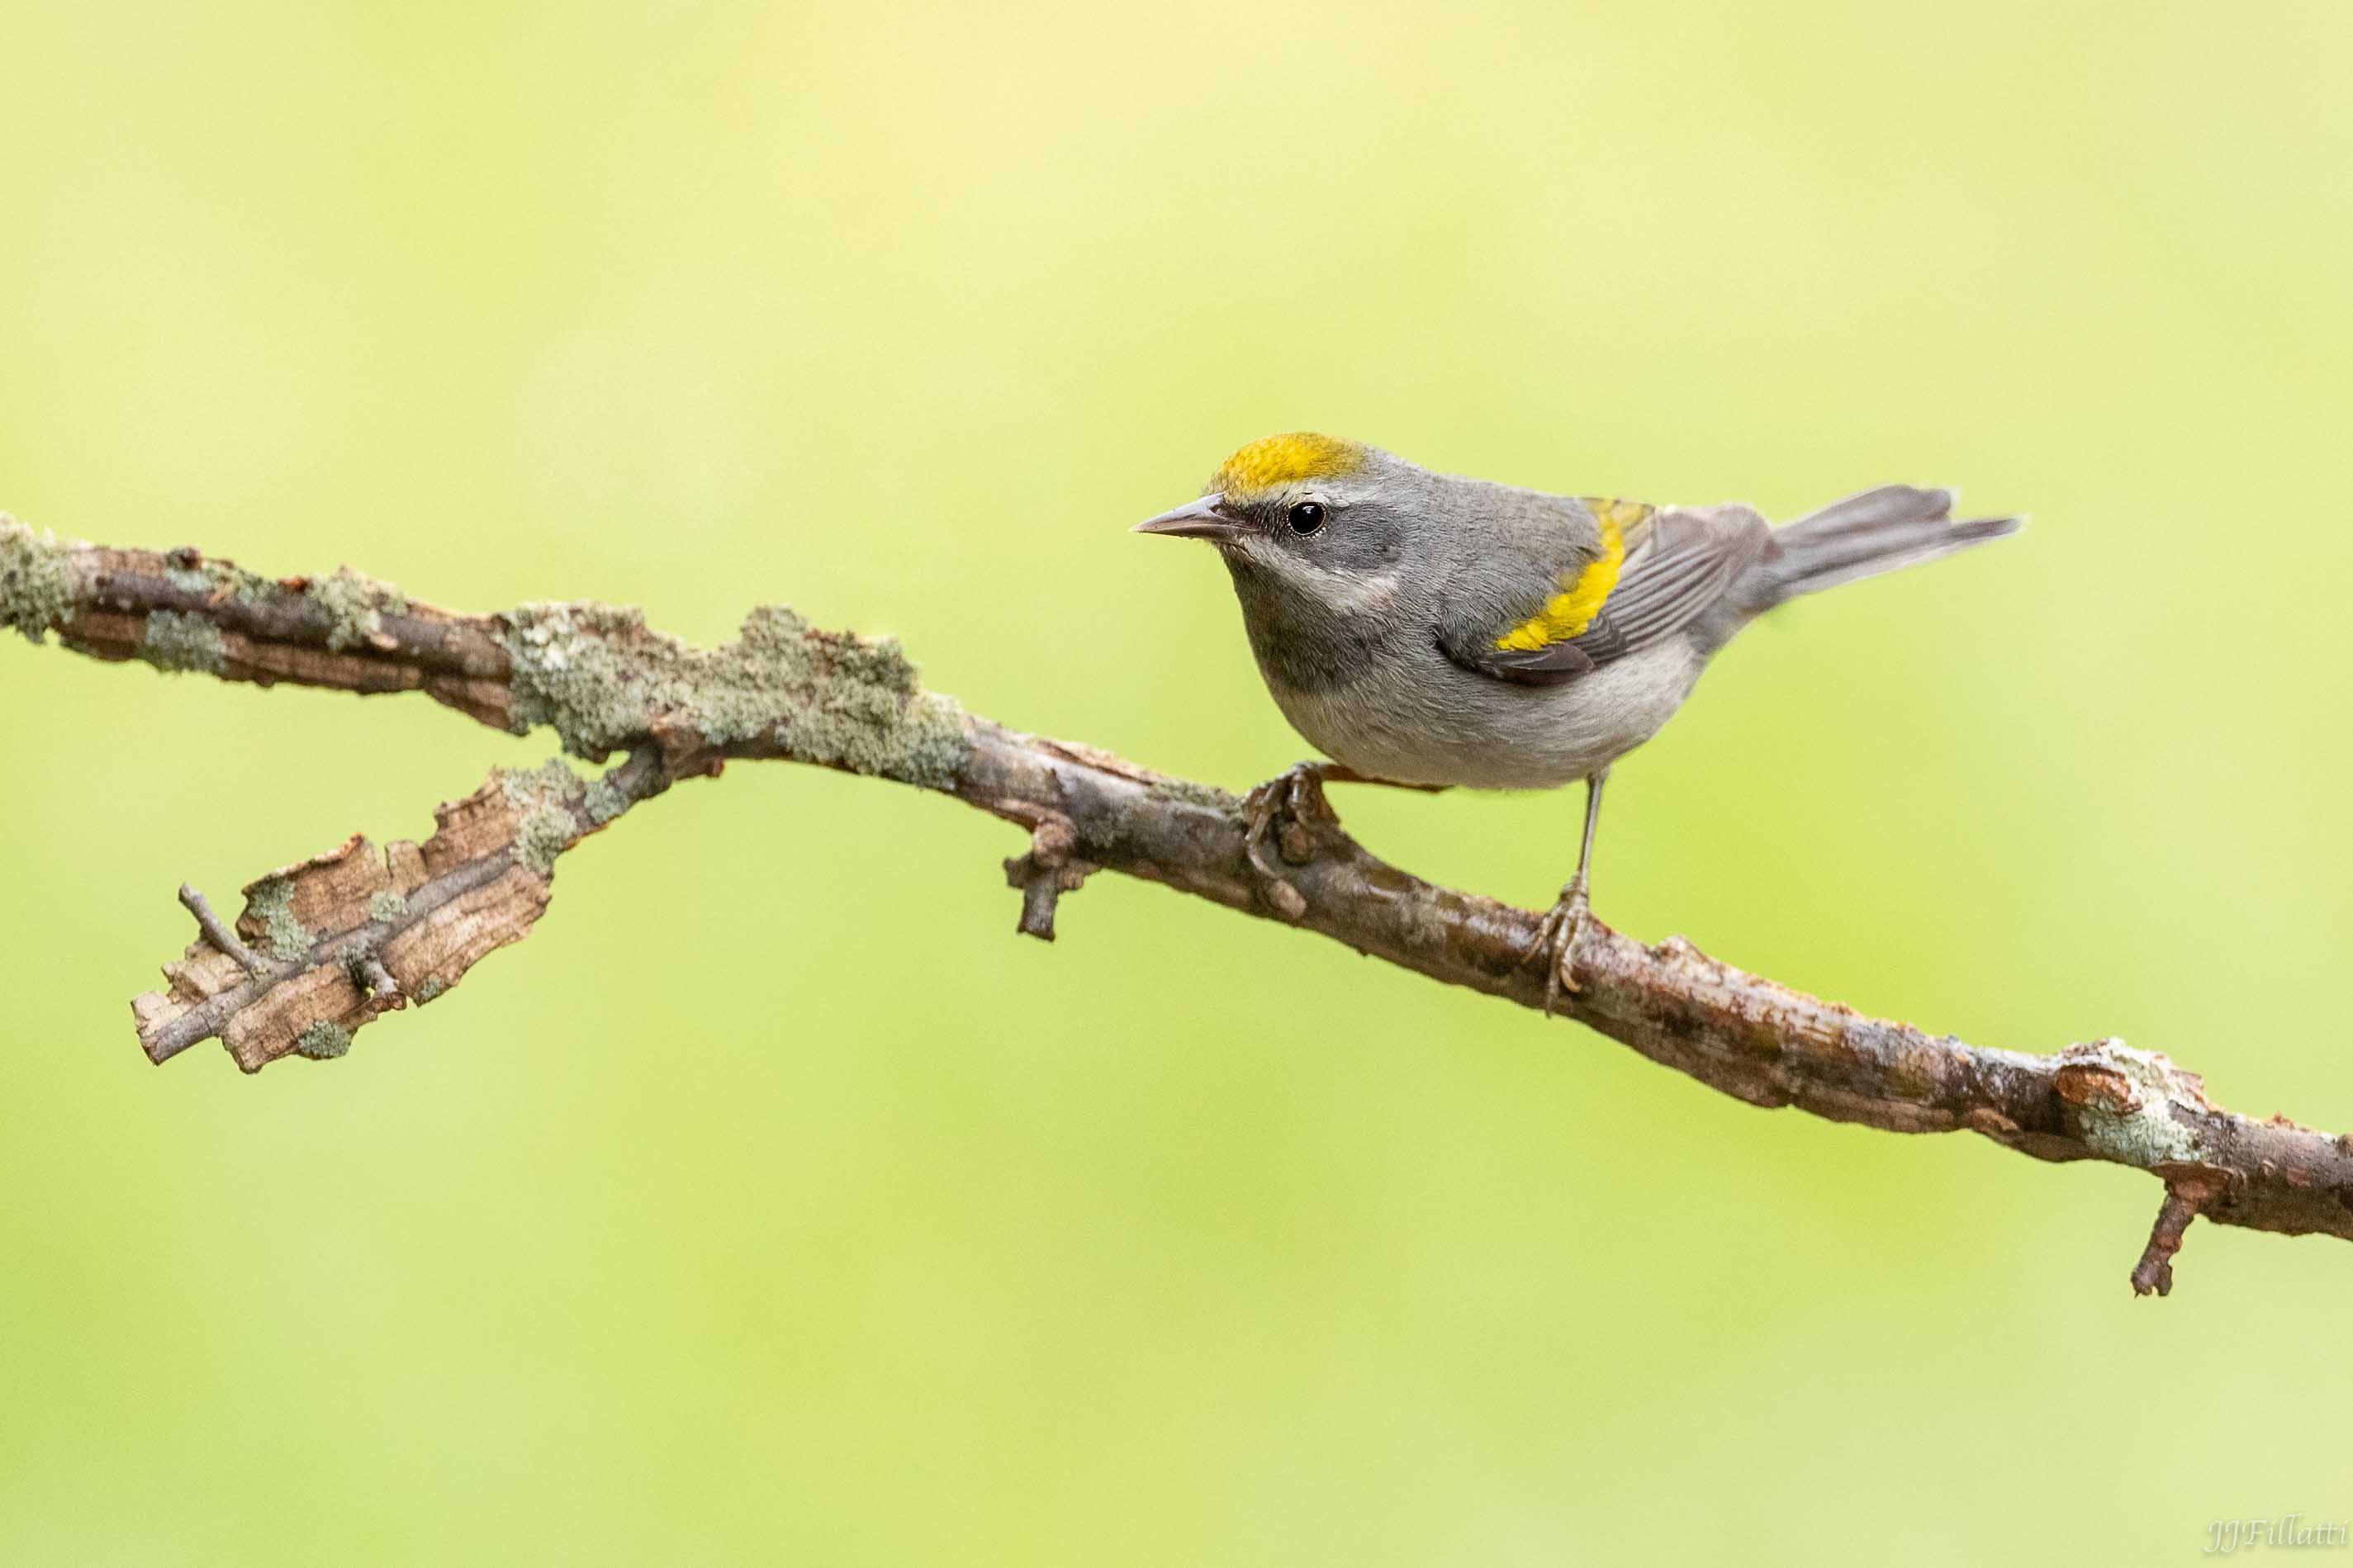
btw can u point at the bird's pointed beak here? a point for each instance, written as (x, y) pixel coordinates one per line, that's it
(1203, 519)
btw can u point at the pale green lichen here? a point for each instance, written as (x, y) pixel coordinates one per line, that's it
(605, 802)
(356, 605)
(1102, 834)
(175, 640)
(601, 679)
(324, 1041)
(568, 671)
(526, 787)
(36, 579)
(272, 903)
(918, 740)
(430, 989)
(387, 905)
(543, 798)
(546, 833)
(2138, 1128)
(216, 580)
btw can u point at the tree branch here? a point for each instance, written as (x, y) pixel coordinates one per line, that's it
(325, 947)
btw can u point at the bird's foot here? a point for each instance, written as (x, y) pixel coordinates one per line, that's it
(1557, 943)
(1283, 811)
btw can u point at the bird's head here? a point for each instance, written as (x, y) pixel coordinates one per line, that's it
(1317, 532)
(1281, 485)
(1302, 505)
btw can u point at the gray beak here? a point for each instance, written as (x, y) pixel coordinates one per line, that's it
(1204, 518)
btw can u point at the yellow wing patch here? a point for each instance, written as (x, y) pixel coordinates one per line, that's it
(1280, 460)
(1572, 610)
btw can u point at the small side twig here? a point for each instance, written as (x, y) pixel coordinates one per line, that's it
(2183, 1199)
(216, 931)
(1044, 874)
(380, 982)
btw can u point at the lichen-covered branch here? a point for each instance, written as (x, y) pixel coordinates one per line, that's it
(325, 948)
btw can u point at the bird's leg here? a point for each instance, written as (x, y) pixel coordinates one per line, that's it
(1556, 937)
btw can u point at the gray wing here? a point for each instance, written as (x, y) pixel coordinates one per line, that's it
(1680, 563)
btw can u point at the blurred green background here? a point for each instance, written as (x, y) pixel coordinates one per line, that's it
(774, 1202)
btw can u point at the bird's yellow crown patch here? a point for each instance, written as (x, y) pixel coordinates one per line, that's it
(1572, 610)
(1280, 460)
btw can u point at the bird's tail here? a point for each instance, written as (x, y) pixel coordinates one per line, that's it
(1863, 536)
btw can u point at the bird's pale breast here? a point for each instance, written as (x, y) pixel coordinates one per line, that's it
(1422, 720)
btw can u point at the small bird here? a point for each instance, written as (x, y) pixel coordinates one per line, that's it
(1429, 630)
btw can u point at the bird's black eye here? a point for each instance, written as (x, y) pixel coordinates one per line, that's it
(1304, 517)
